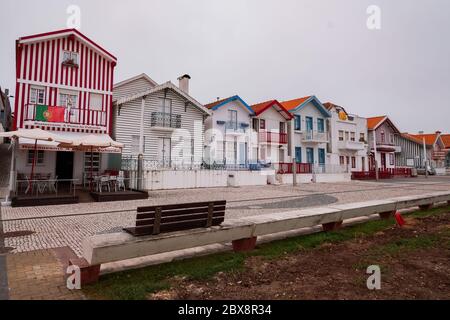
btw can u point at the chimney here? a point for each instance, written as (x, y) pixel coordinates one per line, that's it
(438, 133)
(421, 132)
(7, 92)
(184, 83)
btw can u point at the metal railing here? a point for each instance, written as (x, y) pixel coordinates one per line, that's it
(165, 120)
(236, 127)
(41, 187)
(272, 137)
(314, 136)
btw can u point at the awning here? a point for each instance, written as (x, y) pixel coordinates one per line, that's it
(75, 141)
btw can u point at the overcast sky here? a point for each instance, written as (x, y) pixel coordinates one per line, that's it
(263, 49)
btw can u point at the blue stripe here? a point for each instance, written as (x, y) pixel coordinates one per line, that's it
(234, 98)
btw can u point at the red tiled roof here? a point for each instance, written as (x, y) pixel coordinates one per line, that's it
(430, 138)
(411, 137)
(373, 122)
(263, 106)
(446, 140)
(215, 103)
(292, 104)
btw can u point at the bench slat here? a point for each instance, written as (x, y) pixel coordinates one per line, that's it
(143, 222)
(181, 206)
(148, 215)
(170, 227)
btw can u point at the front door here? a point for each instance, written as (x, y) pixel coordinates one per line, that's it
(321, 156)
(309, 123)
(164, 152)
(383, 160)
(64, 165)
(310, 155)
(243, 153)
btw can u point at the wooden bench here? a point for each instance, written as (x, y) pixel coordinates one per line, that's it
(176, 217)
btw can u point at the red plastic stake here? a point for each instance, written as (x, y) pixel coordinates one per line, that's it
(400, 221)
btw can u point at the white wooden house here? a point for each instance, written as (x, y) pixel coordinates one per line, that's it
(163, 123)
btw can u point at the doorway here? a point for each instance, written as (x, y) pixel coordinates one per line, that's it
(64, 165)
(383, 160)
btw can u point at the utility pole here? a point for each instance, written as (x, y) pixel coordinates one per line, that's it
(293, 155)
(425, 157)
(375, 154)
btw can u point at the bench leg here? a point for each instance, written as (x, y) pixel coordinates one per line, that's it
(386, 215)
(426, 206)
(89, 274)
(243, 245)
(332, 226)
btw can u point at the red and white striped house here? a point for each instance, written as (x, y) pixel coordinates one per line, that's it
(64, 85)
(64, 69)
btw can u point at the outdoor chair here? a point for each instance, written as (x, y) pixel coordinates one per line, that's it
(120, 183)
(104, 182)
(113, 182)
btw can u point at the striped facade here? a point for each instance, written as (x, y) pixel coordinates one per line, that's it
(39, 64)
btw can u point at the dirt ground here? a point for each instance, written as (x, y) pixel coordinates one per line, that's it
(414, 262)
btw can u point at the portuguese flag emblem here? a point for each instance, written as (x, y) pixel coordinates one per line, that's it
(50, 114)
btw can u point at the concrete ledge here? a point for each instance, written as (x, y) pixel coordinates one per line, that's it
(107, 248)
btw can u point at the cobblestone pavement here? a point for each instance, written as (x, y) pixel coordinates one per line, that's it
(67, 225)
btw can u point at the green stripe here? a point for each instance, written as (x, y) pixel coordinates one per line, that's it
(40, 109)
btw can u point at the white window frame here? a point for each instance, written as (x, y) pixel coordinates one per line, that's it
(94, 107)
(68, 93)
(72, 56)
(341, 135)
(39, 160)
(36, 96)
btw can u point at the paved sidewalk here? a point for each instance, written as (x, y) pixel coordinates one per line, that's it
(38, 275)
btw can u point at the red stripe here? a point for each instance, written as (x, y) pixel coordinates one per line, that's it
(63, 46)
(70, 70)
(25, 64)
(107, 75)
(81, 65)
(55, 96)
(90, 70)
(36, 62)
(104, 74)
(79, 61)
(58, 51)
(94, 84)
(99, 75)
(41, 72)
(52, 66)
(47, 66)
(110, 115)
(30, 67)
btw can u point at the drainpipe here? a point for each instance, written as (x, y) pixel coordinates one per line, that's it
(375, 154)
(425, 157)
(293, 155)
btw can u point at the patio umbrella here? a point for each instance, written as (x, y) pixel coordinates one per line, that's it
(91, 142)
(34, 134)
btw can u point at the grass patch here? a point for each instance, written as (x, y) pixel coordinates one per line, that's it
(137, 284)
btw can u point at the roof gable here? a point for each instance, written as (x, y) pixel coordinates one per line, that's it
(298, 104)
(140, 76)
(64, 33)
(219, 103)
(446, 140)
(167, 85)
(263, 106)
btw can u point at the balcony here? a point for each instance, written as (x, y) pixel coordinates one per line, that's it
(74, 116)
(235, 128)
(387, 147)
(351, 145)
(314, 137)
(272, 137)
(161, 120)
(439, 155)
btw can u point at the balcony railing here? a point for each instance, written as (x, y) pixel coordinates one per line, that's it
(165, 120)
(439, 155)
(236, 127)
(351, 145)
(272, 137)
(314, 136)
(287, 168)
(74, 116)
